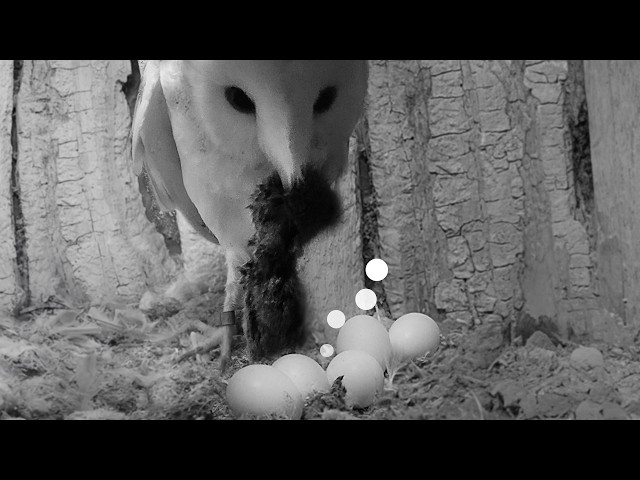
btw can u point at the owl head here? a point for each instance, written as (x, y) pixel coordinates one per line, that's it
(234, 123)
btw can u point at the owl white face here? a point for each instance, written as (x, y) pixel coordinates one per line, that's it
(237, 121)
(287, 112)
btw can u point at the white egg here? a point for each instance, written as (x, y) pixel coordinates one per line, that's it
(413, 335)
(263, 390)
(363, 378)
(367, 334)
(307, 374)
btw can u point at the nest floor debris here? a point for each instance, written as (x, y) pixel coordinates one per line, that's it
(117, 362)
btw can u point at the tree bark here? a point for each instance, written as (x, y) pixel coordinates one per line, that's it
(472, 169)
(471, 179)
(85, 234)
(331, 270)
(613, 91)
(8, 265)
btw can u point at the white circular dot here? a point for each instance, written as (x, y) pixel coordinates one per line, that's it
(326, 350)
(336, 318)
(376, 269)
(366, 299)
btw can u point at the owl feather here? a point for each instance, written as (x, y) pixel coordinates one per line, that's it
(211, 137)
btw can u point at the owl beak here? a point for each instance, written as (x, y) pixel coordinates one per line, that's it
(285, 140)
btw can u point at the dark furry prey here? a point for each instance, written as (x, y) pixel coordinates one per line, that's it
(285, 221)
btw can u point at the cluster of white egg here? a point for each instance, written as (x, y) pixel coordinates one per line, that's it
(277, 389)
(365, 350)
(411, 336)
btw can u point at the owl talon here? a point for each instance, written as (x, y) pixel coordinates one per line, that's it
(221, 336)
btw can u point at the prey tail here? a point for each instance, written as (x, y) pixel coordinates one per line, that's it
(285, 222)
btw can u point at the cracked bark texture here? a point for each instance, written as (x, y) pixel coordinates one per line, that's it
(476, 204)
(87, 236)
(8, 265)
(476, 170)
(613, 90)
(559, 257)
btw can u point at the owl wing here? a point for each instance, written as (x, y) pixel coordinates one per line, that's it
(155, 155)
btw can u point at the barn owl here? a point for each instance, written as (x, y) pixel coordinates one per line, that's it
(212, 134)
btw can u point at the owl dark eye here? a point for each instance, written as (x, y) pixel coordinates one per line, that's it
(239, 100)
(325, 99)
